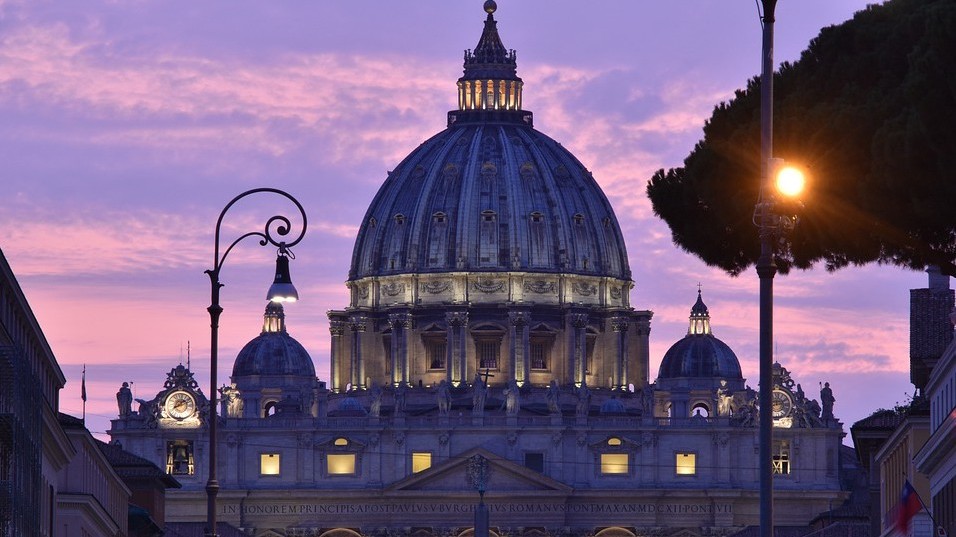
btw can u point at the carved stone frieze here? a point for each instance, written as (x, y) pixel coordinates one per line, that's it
(488, 286)
(435, 287)
(540, 287)
(393, 289)
(584, 288)
(616, 293)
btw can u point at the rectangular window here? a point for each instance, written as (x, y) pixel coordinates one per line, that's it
(269, 464)
(534, 461)
(488, 353)
(539, 353)
(686, 463)
(614, 463)
(435, 352)
(781, 458)
(421, 460)
(341, 463)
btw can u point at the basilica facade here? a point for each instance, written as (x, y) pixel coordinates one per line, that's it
(489, 353)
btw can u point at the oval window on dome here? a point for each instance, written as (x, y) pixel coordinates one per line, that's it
(341, 441)
(614, 441)
(578, 218)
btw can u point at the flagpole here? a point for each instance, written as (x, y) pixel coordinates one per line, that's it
(83, 392)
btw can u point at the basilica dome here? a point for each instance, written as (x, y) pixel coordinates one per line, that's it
(490, 193)
(700, 354)
(274, 352)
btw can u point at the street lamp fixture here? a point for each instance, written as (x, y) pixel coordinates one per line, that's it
(282, 290)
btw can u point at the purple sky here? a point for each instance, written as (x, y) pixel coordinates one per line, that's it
(127, 126)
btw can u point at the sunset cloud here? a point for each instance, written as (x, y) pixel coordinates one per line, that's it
(127, 126)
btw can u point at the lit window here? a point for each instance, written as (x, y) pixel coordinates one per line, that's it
(421, 460)
(341, 463)
(614, 463)
(781, 458)
(686, 463)
(614, 441)
(269, 464)
(341, 441)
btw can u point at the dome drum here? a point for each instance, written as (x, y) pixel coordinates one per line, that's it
(490, 287)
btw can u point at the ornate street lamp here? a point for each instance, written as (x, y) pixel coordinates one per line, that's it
(281, 290)
(775, 178)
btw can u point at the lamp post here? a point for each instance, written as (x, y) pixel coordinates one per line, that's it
(281, 290)
(774, 178)
(766, 269)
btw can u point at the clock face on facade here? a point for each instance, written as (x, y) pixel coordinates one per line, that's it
(782, 404)
(180, 405)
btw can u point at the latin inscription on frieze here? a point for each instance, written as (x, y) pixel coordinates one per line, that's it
(293, 509)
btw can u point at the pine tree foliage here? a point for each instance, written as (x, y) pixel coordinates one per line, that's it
(869, 109)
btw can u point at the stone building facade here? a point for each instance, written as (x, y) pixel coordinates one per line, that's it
(489, 353)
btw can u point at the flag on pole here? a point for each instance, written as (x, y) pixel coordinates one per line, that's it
(910, 504)
(83, 385)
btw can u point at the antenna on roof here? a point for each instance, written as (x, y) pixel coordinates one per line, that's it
(187, 355)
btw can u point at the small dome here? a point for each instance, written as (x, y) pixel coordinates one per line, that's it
(613, 406)
(274, 351)
(700, 354)
(350, 406)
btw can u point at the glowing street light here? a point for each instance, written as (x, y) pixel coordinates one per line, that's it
(790, 180)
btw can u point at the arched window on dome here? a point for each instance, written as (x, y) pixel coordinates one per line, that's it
(700, 410)
(438, 240)
(488, 239)
(539, 253)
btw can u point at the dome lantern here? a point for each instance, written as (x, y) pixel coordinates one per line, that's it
(490, 81)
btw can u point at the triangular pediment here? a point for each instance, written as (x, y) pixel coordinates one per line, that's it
(503, 475)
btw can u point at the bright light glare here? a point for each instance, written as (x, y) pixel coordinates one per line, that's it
(790, 181)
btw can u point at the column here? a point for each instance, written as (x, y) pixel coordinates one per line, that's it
(455, 364)
(520, 346)
(357, 372)
(399, 323)
(337, 330)
(619, 326)
(579, 324)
